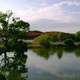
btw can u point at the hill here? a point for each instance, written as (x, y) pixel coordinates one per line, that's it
(48, 37)
(33, 34)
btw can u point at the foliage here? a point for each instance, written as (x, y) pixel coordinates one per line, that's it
(13, 31)
(44, 39)
(77, 35)
(13, 26)
(45, 43)
(51, 37)
(69, 42)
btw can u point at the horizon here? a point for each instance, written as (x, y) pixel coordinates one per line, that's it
(47, 15)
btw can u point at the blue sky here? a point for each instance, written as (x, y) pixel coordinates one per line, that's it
(57, 11)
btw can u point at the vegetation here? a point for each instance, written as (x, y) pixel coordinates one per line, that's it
(69, 42)
(13, 30)
(59, 51)
(50, 38)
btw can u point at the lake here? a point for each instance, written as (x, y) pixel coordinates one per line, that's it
(53, 64)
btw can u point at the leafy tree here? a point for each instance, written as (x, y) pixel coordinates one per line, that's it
(12, 26)
(69, 42)
(77, 35)
(13, 30)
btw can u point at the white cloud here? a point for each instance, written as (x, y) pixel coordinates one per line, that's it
(70, 2)
(43, 4)
(53, 12)
(73, 0)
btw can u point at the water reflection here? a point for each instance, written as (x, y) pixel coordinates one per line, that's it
(13, 67)
(13, 60)
(60, 63)
(59, 51)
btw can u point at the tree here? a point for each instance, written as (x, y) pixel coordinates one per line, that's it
(12, 26)
(12, 29)
(69, 42)
(77, 35)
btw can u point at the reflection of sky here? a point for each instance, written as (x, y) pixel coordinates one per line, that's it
(36, 10)
(68, 64)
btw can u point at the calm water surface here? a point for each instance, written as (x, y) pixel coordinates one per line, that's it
(53, 64)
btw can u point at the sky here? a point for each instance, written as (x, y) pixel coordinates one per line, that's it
(46, 15)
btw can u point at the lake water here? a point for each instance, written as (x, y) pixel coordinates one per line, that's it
(53, 64)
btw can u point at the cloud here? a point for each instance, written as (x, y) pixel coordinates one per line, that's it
(70, 2)
(43, 10)
(73, 0)
(53, 12)
(52, 25)
(43, 4)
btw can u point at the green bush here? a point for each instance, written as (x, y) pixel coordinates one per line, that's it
(45, 44)
(69, 42)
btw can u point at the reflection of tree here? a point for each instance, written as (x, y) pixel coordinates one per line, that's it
(13, 31)
(44, 52)
(17, 68)
(2, 77)
(14, 67)
(69, 49)
(77, 52)
(59, 51)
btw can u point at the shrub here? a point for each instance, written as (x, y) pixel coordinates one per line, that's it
(45, 44)
(69, 42)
